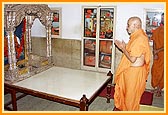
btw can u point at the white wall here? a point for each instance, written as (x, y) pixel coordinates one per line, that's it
(72, 17)
(125, 11)
(38, 29)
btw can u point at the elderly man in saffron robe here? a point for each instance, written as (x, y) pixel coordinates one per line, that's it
(132, 72)
(157, 71)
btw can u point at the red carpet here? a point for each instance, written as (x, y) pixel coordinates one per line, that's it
(146, 98)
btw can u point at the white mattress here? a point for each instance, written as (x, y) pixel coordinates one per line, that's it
(64, 82)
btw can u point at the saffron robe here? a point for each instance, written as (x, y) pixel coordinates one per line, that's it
(130, 82)
(157, 71)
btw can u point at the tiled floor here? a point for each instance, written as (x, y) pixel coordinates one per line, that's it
(159, 101)
(30, 103)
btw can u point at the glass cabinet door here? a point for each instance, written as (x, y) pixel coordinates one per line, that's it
(90, 25)
(106, 37)
(89, 52)
(106, 23)
(105, 54)
(90, 22)
(97, 38)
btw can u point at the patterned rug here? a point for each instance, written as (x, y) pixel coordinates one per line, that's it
(146, 99)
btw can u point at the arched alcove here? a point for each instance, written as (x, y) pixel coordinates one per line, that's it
(38, 41)
(37, 28)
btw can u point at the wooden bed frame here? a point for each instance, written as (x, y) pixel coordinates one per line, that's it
(82, 103)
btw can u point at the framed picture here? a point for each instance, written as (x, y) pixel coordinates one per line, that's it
(152, 19)
(56, 23)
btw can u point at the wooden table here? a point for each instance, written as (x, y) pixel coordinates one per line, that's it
(77, 88)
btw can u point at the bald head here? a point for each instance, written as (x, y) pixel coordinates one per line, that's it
(133, 24)
(136, 21)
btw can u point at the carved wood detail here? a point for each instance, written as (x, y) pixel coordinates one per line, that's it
(34, 10)
(14, 14)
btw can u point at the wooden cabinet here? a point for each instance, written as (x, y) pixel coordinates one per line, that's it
(98, 33)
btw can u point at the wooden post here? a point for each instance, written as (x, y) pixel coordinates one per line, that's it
(14, 103)
(84, 103)
(108, 95)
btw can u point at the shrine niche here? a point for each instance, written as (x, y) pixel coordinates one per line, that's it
(19, 61)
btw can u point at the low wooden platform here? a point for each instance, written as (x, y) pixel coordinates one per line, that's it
(77, 88)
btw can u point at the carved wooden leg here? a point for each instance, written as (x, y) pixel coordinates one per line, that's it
(108, 95)
(14, 104)
(84, 103)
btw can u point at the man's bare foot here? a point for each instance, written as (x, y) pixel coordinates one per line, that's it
(116, 109)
